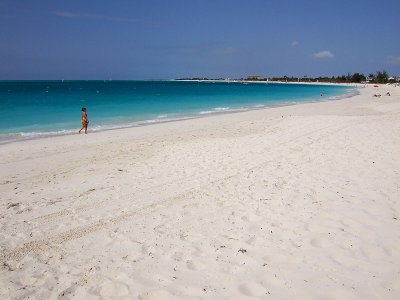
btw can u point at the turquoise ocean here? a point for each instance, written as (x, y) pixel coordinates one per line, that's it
(31, 109)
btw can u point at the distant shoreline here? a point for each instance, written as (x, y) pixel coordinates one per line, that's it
(269, 81)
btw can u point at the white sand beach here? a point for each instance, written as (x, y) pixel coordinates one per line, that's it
(295, 202)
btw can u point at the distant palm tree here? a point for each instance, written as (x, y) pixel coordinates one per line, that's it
(381, 77)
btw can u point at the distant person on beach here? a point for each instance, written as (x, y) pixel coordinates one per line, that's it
(85, 120)
(387, 94)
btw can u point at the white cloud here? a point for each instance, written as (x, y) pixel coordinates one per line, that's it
(68, 14)
(394, 60)
(324, 54)
(294, 43)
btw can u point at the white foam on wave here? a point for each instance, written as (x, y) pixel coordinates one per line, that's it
(215, 110)
(45, 133)
(221, 108)
(350, 93)
(205, 112)
(22, 135)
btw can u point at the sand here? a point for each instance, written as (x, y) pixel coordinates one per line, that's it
(296, 202)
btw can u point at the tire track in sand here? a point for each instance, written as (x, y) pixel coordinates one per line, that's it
(18, 253)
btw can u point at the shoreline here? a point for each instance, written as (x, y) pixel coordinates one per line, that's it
(24, 136)
(297, 201)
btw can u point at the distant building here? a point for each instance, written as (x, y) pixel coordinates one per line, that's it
(394, 78)
(254, 77)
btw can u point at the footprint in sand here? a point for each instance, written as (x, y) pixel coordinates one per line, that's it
(252, 289)
(147, 249)
(26, 280)
(345, 260)
(254, 241)
(114, 289)
(195, 265)
(156, 295)
(177, 256)
(319, 242)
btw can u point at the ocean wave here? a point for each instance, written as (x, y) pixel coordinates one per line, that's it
(205, 112)
(349, 93)
(17, 136)
(158, 120)
(215, 110)
(221, 108)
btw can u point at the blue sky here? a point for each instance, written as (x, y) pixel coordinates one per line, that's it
(99, 39)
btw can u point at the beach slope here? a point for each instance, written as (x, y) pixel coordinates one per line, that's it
(295, 202)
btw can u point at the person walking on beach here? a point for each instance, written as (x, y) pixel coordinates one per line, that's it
(85, 120)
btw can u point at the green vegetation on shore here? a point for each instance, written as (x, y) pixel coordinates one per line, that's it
(378, 77)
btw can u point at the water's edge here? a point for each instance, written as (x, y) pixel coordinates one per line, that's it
(23, 136)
